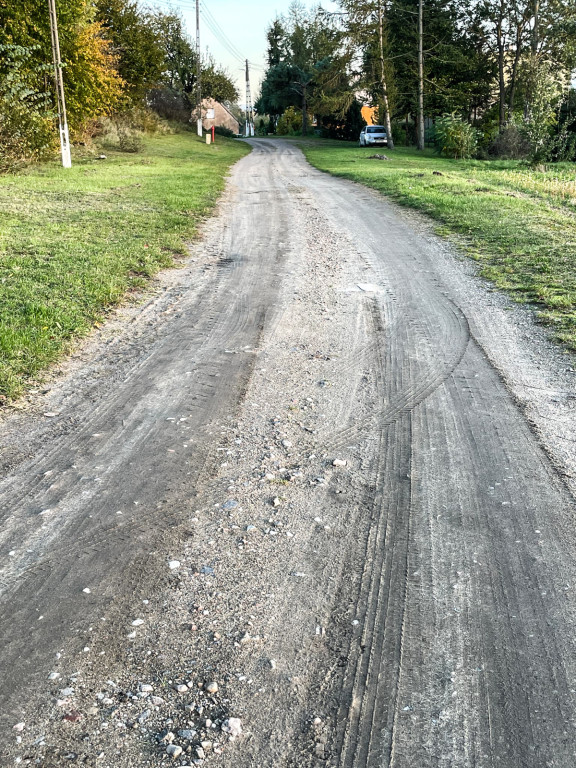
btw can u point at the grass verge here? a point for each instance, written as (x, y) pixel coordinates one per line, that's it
(74, 242)
(520, 223)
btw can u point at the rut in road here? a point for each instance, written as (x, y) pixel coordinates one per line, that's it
(419, 600)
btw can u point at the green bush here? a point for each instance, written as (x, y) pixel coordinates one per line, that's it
(27, 124)
(130, 140)
(221, 130)
(454, 137)
(290, 123)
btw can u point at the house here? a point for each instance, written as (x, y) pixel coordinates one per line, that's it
(214, 113)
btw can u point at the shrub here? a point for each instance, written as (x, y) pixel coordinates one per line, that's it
(454, 137)
(221, 130)
(129, 140)
(290, 123)
(27, 127)
(511, 143)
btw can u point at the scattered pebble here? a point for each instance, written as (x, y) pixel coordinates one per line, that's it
(86, 590)
(232, 726)
(137, 622)
(174, 750)
(173, 564)
(339, 463)
(212, 687)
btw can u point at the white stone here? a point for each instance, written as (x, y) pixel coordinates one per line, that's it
(232, 726)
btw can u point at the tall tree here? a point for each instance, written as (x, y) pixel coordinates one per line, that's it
(91, 79)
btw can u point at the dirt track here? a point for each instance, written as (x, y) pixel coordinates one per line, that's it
(418, 601)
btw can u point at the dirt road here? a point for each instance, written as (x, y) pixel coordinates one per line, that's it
(300, 471)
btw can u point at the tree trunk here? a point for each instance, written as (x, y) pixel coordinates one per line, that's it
(420, 74)
(514, 72)
(385, 103)
(536, 29)
(304, 112)
(533, 55)
(501, 73)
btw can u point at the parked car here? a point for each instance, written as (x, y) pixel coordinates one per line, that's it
(372, 135)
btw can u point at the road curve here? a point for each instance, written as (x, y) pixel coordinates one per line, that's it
(456, 544)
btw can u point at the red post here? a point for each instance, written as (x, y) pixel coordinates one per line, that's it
(213, 134)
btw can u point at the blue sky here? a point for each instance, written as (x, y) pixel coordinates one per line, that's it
(233, 30)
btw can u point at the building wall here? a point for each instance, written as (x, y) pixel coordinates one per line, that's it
(221, 116)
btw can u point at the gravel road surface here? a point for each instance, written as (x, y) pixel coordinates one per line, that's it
(308, 504)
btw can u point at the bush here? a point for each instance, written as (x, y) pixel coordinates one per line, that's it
(454, 137)
(290, 123)
(511, 143)
(221, 130)
(169, 104)
(27, 123)
(262, 127)
(129, 140)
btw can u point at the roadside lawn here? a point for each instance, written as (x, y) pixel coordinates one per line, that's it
(73, 242)
(520, 223)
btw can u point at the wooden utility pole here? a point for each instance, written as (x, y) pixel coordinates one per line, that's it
(421, 74)
(60, 101)
(385, 102)
(198, 72)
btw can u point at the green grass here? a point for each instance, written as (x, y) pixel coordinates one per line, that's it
(75, 242)
(520, 223)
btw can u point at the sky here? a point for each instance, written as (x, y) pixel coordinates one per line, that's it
(233, 30)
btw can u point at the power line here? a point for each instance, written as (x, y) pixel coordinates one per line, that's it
(216, 30)
(224, 37)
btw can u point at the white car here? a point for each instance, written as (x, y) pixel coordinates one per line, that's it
(372, 135)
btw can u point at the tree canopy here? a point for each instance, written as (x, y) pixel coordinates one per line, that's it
(491, 63)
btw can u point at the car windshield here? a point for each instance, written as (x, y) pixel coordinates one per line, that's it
(375, 129)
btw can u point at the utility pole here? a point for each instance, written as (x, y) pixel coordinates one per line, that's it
(420, 74)
(198, 72)
(249, 131)
(385, 103)
(60, 101)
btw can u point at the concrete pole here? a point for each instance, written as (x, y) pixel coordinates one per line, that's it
(60, 100)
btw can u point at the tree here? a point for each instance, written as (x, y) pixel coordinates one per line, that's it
(91, 79)
(135, 43)
(305, 70)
